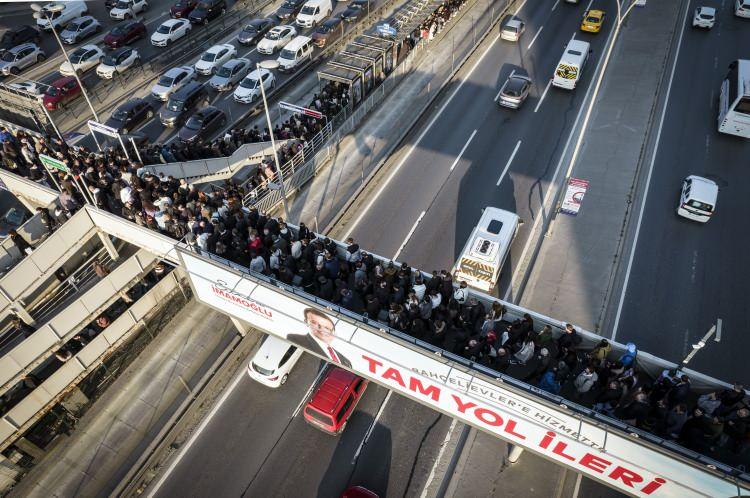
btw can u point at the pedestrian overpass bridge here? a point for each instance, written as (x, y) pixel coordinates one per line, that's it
(606, 449)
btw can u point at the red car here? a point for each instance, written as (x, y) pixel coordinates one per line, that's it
(125, 33)
(182, 8)
(60, 92)
(334, 399)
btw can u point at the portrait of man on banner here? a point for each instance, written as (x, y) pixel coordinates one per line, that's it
(320, 337)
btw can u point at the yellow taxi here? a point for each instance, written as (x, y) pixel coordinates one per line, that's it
(592, 21)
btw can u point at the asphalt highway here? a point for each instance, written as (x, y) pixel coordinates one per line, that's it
(258, 444)
(686, 275)
(473, 154)
(137, 81)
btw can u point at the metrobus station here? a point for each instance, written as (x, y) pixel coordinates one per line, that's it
(608, 450)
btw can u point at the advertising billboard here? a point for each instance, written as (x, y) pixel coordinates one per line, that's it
(614, 458)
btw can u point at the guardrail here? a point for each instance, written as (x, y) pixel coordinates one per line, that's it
(26, 413)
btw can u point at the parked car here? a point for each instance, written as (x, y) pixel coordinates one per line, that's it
(61, 92)
(273, 362)
(79, 29)
(249, 89)
(127, 9)
(289, 9)
(255, 30)
(207, 10)
(64, 12)
(82, 59)
(333, 400)
(18, 58)
(130, 115)
(704, 17)
(356, 10)
(125, 34)
(182, 8)
(18, 35)
(230, 74)
(276, 38)
(182, 102)
(118, 61)
(329, 31)
(512, 30)
(201, 125)
(514, 91)
(171, 81)
(214, 57)
(170, 31)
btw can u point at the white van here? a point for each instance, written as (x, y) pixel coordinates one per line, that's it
(313, 12)
(273, 361)
(742, 8)
(295, 53)
(487, 248)
(570, 67)
(60, 14)
(698, 198)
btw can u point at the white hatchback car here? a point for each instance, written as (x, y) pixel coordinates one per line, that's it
(213, 58)
(276, 39)
(698, 198)
(82, 59)
(704, 17)
(169, 31)
(512, 30)
(249, 90)
(118, 61)
(273, 361)
(127, 9)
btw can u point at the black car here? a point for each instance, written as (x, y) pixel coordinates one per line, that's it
(207, 10)
(255, 30)
(129, 115)
(356, 10)
(201, 125)
(19, 35)
(289, 9)
(182, 102)
(110, 4)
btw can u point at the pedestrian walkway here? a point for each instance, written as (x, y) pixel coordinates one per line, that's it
(115, 431)
(572, 274)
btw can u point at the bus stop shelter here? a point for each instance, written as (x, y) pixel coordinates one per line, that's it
(369, 55)
(386, 47)
(364, 68)
(352, 79)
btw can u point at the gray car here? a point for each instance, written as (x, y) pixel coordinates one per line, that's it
(17, 58)
(79, 29)
(514, 91)
(229, 74)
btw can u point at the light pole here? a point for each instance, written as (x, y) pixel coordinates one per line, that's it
(39, 12)
(271, 64)
(579, 140)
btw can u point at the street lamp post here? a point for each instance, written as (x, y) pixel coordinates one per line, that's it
(39, 12)
(267, 65)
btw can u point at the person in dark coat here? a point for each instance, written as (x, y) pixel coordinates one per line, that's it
(679, 392)
(19, 241)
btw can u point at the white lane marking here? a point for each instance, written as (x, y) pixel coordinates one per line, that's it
(544, 94)
(547, 194)
(519, 8)
(408, 235)
(555, 6)
(372, 427)
(307, 393)
(648, 181)
(443, 446)
(535, 37)
(501, 89)
(588, 7)
(432, 122)
(249, 52)
(183, 451)
(507, 165)
(458, 157)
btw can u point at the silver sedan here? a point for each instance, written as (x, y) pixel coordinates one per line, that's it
(230, 74)
(514, 91)
(79, 29)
